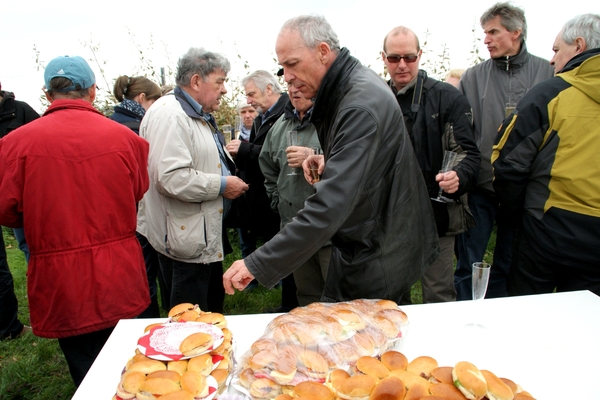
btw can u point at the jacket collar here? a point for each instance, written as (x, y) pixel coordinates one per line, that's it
(291, 113)
(580, 58)
(7, 104)
(70, 104)
(191, 107)
(513, 62)
(334, 82)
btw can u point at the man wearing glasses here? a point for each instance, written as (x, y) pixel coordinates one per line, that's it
(438, 119)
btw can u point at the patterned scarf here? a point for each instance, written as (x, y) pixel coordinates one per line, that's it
(133, 106)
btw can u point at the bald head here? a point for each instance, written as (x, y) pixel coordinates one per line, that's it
(401, 30)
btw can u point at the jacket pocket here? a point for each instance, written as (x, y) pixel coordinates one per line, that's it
(186, 236)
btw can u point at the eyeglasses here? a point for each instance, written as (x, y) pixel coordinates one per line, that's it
(409, 59)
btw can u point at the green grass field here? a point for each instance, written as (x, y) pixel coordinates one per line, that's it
(33, 368)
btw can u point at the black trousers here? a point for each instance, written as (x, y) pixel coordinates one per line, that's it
(81, 351)
(10, 326)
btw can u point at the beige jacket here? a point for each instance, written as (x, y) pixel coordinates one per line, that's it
(181, 214)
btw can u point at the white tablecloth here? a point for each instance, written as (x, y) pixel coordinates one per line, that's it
(549, 344)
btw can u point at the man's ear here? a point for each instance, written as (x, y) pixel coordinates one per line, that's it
(324, 53)
(92, 93)
(581, 46)
(48, 97)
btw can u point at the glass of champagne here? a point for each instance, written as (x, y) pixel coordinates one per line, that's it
(227, 133)
(447, 164)
(480, 279)
(293, 141)
(237, 127)
(314, 166)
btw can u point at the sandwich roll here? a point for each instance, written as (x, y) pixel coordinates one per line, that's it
(152, 388)
(246, 377)
(422, 366)
(371, 366)
(130, 384)
(394, 360)
(178, 395)
(202, 363)
(390, 388)
(196, 344)
(447, 391)
(147, 366)
(409, 379)
(264, 388)
(172, 375)
(417, 392)
(215, 319)
(469, 380)
(313, 365)
(313, 390)
(335, 378)
(441, 375)
(179, 366)
(177, 311)
(194, 383)
(357, 387)
(220, 376)
(496, 389)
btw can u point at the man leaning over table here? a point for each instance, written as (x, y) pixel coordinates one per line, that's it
(72, 179)
(191, 181)
(547, 175)
(371, 201)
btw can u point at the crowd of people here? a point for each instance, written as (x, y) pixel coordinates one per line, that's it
(113, 209)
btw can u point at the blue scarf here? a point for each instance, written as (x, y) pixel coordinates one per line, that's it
(133, 106)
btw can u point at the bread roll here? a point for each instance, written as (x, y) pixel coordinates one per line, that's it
(390, 388)
(196, 343)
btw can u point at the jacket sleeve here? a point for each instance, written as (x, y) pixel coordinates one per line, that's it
(141, 148)
(351, 156)
(10, 201)
(460, 139)
(519, 139)
(270, 169)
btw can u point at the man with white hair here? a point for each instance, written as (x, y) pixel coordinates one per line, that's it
(546, 170)
(371, 200)
(264, 93)
(247, 114)
(191, 181)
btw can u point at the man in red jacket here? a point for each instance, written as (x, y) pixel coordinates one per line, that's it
(72, 179)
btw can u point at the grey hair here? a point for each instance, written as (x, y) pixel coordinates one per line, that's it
(511, 17)
(313, 29)
(201, 62)
(586, 26)
(262, 79)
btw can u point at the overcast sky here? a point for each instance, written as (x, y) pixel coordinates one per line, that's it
(244, 31)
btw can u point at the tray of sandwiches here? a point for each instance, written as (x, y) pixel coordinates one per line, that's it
(187, 358)
(328, 351)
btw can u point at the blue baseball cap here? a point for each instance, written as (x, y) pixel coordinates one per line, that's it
(75, 69)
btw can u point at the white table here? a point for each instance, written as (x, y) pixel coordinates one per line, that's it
(534, 340)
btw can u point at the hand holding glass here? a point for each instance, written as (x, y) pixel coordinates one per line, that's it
(447, 164)
(293, 141)
(314, 165)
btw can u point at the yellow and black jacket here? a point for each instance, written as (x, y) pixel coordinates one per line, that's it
(547, 164)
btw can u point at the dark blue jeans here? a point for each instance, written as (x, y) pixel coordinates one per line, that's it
(10, 326)
(194, 283)
(471, 246)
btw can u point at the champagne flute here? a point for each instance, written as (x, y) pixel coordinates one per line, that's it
(447, 164)
(293, 141)
(237, 127)
(226, 129)
(314, 166)
(480, 279)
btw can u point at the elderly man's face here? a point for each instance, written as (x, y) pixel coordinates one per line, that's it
(247, 114)
(563, 52)
(303, 67)
(500, 41)
(261, 101)
(298, 100)
(209, 92)
(404, 45)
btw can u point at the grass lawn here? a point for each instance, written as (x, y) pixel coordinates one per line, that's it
(33, 368)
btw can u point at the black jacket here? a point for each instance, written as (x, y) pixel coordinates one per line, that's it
(14, 113)
(438, 117)
(371, 201)
(254, 207)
